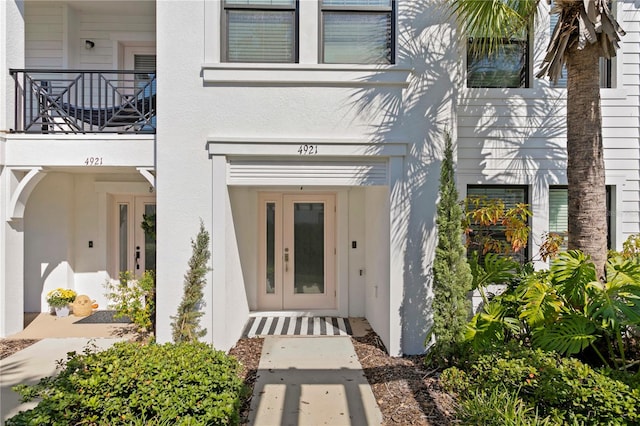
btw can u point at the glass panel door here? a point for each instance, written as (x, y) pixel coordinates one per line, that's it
(135, 244)
(308, 243)
(308, 236)
(296, 251)
(145, 244)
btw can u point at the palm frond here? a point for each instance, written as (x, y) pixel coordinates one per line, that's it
(589, 21)
(488, 22)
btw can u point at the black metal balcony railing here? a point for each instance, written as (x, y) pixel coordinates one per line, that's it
(83, 101)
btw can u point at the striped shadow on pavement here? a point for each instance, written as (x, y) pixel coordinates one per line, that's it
(297, 326)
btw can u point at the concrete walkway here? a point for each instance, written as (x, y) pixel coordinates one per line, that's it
(312, 381)
(60, 335)
(302, 380)
(31, 364)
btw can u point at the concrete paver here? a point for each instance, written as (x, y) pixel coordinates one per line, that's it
(312, 381)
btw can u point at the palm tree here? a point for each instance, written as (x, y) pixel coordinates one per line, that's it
(586, 30)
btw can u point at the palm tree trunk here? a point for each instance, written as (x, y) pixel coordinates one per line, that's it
(585, 156)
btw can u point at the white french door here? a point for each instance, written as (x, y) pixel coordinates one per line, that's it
(135, 250)
(296, 251)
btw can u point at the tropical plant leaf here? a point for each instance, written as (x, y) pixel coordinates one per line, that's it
(541, 304)
(623, 271)
(570, 335)
(616, 303)
(572, 271)
(489, 326)
(497, 269)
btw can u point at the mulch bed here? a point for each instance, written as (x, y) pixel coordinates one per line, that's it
(406, 391)
(10, 346)
(248, 352)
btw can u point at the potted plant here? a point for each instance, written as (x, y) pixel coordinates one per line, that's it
(59, 299)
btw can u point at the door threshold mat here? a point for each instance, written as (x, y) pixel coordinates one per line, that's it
(103, 317)
(297, 326)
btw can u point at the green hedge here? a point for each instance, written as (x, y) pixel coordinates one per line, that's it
(564, 390)
(185, 384)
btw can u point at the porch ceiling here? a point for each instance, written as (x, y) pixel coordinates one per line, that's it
(111, 7)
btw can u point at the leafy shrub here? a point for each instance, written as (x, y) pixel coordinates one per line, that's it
(498, 407)
(564, 389)
(566, 309)
(184, 384)
(134, 299)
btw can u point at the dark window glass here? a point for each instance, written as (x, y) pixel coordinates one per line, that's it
(506, 67)
(511, 196)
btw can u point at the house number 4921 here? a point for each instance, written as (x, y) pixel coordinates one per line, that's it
(93, 161)
(308, 149)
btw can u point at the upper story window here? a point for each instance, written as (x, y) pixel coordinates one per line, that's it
(260, 30)
(507, 66)
(357, 31)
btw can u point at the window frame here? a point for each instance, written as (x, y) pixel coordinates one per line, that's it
(526, 67)
(224, 28)
(521, 256)
(357, 9)
(609, 204)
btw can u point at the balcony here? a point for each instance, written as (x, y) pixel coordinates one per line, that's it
(84, 101)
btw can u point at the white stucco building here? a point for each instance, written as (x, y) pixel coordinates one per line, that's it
(307, 135)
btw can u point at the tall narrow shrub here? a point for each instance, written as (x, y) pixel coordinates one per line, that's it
(186, 324)
(451, 273)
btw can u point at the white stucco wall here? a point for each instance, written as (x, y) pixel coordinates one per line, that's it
(357, 256)
(49, 230)
(64, 213)
(260, 103)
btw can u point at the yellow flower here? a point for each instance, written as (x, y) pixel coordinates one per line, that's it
(60, 297)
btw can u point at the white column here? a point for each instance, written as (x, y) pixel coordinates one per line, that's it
(398, 217)
(11, 261)
(216, 296)
(11, 234)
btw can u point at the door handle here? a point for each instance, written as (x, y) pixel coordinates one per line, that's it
(286, 260)
(137, 257)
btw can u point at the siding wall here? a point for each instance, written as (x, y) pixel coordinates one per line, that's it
(44, 34)
(56, 32)
(518, 136)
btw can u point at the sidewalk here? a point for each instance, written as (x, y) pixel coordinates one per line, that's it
(60, 335)
(311, 381)
(302, 380)
(31, 364)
